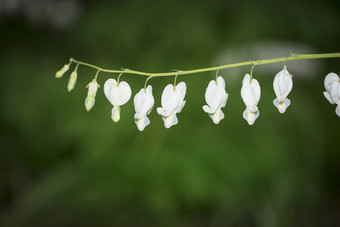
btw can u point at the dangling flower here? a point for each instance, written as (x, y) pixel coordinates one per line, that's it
(172, 103)
(216, 98)
(282, 84)
(332, 93)
(62, 71)
(91, 94)
(72, 81)
(251, 94)
(118, 94)
(144, 102)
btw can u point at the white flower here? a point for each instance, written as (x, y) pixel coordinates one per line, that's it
(282, 84)
(144, 102)
(251, 94)
(216, 98)
(118, 95)
(91, 94)
(62, 71)
(332, 93)
(172, 103)
(72, 81)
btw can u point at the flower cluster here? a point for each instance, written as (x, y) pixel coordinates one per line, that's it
(119, 93)
(332, 93)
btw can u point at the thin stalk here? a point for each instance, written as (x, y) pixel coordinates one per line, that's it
(292, 57)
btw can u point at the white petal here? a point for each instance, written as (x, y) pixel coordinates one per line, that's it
(170, 99)
(108, 85)
(213, 96)
(220, 82)
(161, 112)
(180, 107)
(337, 110)
(115, 113)
(207, 109)
(217, 116)
(330, 78)
(181, 89)
(251, 93)
(334, 92)
(282, 105)
(225, 99)
(328, 97)
(282, 84)
(117, 95)
(89, 103)
(142, 123)
(170, 121)
(250, 116)
(246, 80)
(143, 101)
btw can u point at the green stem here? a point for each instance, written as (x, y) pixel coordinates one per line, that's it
(184, 72)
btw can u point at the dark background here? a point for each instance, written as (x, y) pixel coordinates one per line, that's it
(62, 166)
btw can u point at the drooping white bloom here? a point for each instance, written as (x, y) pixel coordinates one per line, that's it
(62, 71)
(144, 102)
(118, 94)
(172, 103)
(216, 98)
(282, 85)
(251, 94)
(72, 81)
(332, 93)
(91, 94)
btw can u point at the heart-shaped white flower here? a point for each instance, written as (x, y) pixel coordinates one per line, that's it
(143, 102)
(332, 93)
(172, 103)
(251, 94)
(282, 85)
(118, 94)
(216, 98)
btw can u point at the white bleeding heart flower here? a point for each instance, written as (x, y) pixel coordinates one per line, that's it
(62, 71)
(172, 103)
(282, 85)
(216, 98)
(332, 93)
(251, 94)
(144, 102)
(72, 81)
(91, 94)
(118, 94)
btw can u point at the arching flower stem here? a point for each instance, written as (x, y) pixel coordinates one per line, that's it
(292, 57)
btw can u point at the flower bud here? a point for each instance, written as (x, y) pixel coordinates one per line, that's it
(62, 71)
(91, 94)
(72, 81)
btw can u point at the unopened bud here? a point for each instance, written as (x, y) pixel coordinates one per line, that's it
(72, 81)
(61, 72)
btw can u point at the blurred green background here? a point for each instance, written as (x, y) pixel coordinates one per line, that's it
(62, 166)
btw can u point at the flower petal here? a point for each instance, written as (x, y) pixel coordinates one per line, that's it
(250, 116)
(213, 96)
(108, 85)
(170, 121)
(89, 102)
(142, 123)
(207, 109)
(181, 89)
(328, 97)
(217, 116)
(330, 78)
(221, 83)
(144, 101)
(115, 113)
(170, 99)
(337, 110)
(334, 92)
